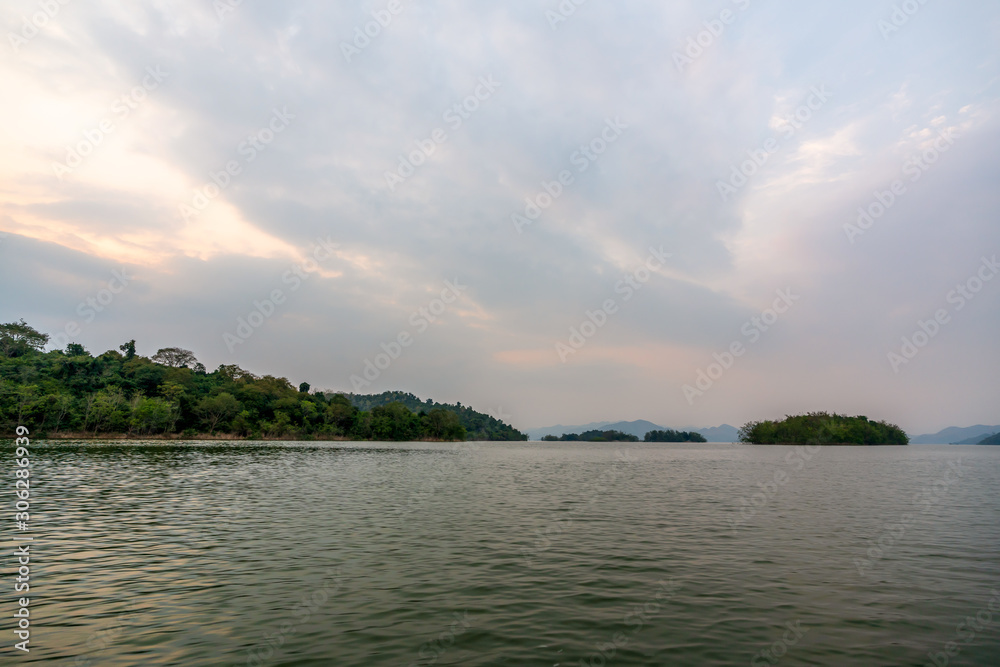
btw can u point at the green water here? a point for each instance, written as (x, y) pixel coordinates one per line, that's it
(510, 554)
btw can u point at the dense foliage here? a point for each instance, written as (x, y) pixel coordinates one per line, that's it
(593, 436)
(72, 391)
(991, 440)
(821, 428)
(478, 425)
(671, 435)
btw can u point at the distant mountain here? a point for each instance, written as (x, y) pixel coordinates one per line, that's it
(638, 428)
(992, 440)
(559, 429)
(975, 440)
(724, 433)
(954, 434)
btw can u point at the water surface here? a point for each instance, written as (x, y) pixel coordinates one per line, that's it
(512, 554)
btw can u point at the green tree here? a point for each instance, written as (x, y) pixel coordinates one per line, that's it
(129, 349)
(443, 425)
(339, 414)
(172, 391)
(107, 411)
(57, 409)
(26, 400)
(17, 339)
(175, 357)
(75, 350)
(394, 422)
(214, 410)
(243, 423)
(152, 415)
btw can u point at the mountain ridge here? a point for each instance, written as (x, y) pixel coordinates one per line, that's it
(954, 435)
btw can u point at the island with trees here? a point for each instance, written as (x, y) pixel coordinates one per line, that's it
(598, 435)
(72, 394)
(671, 435)
(821, 428)
(595, 435)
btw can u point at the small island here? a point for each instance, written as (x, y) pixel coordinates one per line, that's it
(597, 435)
(671, 435)
(821, 428)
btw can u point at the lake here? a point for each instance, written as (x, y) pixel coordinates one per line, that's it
(416, 554)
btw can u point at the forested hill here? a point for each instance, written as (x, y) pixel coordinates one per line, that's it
(73, 393)
(477, 425)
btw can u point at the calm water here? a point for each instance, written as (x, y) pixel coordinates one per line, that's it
(511, 554)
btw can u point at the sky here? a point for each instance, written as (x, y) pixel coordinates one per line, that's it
(691, 213)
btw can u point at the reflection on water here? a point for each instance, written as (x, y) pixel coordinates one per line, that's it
(513, 554)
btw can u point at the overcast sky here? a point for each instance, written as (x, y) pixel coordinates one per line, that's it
(118, 114)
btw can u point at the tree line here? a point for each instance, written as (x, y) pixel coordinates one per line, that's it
(121, 392)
